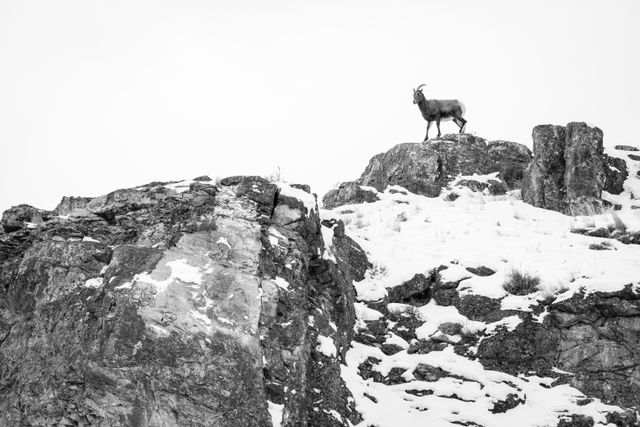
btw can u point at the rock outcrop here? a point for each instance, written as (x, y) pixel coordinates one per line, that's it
(426, 167)
(569, 169)
(211, 305)
(593, 337)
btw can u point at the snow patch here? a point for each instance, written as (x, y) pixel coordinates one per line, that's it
(307, 199)
(276, 411)
(326, 346)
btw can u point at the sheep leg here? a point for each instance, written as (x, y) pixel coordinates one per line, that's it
(438, 124)
(464, 123)
(426, 138)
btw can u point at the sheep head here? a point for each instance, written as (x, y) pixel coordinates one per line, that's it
(417, 94)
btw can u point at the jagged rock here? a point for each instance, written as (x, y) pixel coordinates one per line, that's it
(628, 418)
(569, 170)
(423, 346)
(626, 148)
(511, 159)
(584, 174)
(390, 349)
(424, 372)
(405, 325)
(480, 307)
(395, 376)
(493, 187)
(415, 291)
(511, 401)
(445, 293)
(480, 271)
(70, 204)
(543, 180)
(634, 157)
(366, 369)
(592, 336)
(530, 347)
(414, 166)
(21, 216)
(450, 328)
(615, 174)
(174, 310)
(576, 421)
(348, 193)
(424, 168)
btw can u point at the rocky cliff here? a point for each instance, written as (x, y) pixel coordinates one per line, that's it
(569, 170)
(428, 293)
(425, 168)
(177, 304)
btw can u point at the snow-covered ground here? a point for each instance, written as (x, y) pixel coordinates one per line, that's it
(404, 234)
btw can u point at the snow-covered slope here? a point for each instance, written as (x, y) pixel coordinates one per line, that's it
(405, 234)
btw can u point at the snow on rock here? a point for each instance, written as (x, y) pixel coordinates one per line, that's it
(326, 346)
(96, 282)
(410, 374)
(405, 234)
(282, 283)
(307, 199)
(180, 186)
(276, 411)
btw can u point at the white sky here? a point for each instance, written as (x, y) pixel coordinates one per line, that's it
(99, 95)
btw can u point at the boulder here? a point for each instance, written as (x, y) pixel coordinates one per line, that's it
(348, 193)
(69, 204)
(25, 213)
(584, 173)
(616, 172)
(569, 170)
(510, 159)
(543, 180)
(426, 167)
(414, 166)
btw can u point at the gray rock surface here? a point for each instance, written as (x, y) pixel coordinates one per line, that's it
(347, 193)
(149, 306)
(569, 170)
(426, 167)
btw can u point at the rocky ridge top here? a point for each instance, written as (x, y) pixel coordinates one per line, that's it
(430, 292)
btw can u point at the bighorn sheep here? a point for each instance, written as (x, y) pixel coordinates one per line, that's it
(436, 109)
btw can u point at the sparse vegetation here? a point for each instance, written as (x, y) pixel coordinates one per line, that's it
(618, 223)
(521, 283)
(377, 270)
(275, 176)
(401, 217)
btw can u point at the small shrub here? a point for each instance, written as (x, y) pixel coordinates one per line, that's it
(377, 270)
(359, 224)
(275, 175)
(618, 223)
(401, 217)
(519, 283)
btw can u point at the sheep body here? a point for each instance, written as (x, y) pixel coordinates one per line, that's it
(439, 109)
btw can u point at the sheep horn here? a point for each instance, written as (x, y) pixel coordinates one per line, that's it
(418, 88)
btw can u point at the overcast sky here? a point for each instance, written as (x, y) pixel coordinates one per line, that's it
(99, 95)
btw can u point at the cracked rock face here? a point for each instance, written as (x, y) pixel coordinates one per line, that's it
(569, 170)
(176, 304)
(426, 167)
